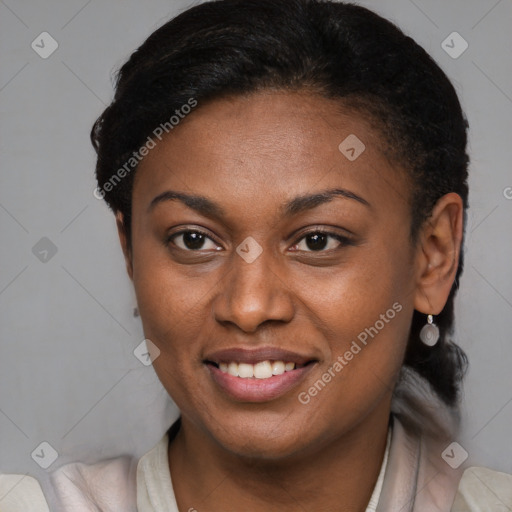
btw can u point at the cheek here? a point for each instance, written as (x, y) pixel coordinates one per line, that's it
(363, 311)
(364, 320)
(171, 321)
(177, 317)
(172, 309)
(353, 297)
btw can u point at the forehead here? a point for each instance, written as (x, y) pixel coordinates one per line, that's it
(268, 146)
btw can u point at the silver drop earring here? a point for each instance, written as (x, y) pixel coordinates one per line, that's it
(429, 333)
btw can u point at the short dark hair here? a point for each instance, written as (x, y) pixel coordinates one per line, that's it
(336, 50)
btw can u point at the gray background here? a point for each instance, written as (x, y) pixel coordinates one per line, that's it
(68, 375)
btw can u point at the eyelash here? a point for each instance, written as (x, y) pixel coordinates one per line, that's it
(344, 240)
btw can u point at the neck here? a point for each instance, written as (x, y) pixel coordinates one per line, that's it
(338, 476)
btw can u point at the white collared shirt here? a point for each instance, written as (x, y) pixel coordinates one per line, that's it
(480, 489)
(154, 484)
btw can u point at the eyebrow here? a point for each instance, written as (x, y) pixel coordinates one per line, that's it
(299, 204)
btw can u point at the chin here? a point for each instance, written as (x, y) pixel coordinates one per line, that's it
(261, 438)
(263, 449)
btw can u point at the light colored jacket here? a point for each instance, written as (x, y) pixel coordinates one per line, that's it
(419, 473)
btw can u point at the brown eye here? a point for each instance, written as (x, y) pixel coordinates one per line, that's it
(192, 240)
(318, 241)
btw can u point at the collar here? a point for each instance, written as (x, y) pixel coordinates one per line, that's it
(154, 483)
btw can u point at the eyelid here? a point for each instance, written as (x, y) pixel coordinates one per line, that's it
(334, 231)
(169, 238)
(344, 240)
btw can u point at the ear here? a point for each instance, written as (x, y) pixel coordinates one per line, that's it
(121, 230)
(438, 253)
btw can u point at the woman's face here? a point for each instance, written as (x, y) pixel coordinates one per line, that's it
(243, 275)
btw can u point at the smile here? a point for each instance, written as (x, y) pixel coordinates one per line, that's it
(261, 370)
(257, 376)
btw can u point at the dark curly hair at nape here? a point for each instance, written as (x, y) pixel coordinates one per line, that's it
(333, 49)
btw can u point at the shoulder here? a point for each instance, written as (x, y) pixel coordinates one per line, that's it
(21, 493)
(74, 487)
(109, 485)
(482, 489)
(105, 483)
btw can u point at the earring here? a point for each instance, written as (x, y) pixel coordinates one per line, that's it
(429, 333)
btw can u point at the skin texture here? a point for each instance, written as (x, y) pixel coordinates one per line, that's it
(251, 155)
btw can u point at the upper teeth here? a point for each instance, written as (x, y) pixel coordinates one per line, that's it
(262, 370)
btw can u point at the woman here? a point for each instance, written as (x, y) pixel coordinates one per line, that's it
(289, 180)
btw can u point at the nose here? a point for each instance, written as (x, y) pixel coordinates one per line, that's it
(252, 294)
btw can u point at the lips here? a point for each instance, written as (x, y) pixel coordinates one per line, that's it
(257, 387)
(241, 355)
